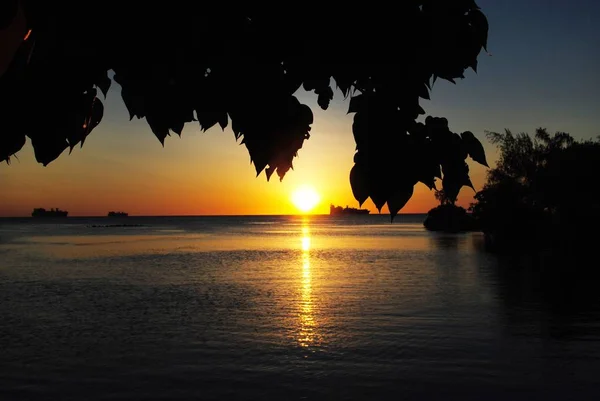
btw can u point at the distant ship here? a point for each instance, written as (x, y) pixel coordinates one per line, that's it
(117, 214)
(338, 210)
(41, 212)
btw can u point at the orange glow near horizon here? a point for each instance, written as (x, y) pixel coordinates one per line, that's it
(123, 167)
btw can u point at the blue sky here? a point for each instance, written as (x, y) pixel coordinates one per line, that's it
(543, 71)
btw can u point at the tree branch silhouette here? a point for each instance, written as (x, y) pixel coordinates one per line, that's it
(218, 63)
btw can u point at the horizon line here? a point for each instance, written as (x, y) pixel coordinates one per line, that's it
(211, 215)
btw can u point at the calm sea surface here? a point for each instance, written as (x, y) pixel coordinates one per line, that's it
(251, 308)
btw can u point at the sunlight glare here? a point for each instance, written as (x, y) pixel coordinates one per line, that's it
(305, 243)
(305, 198)
(308, 334)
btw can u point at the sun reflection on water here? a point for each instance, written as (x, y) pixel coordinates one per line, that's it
(307, 335)
(305, 241)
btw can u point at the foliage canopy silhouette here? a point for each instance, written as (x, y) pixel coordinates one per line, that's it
(223, 63)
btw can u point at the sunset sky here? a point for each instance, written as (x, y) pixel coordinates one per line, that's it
(544, 70)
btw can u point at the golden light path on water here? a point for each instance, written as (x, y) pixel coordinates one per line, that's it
(307, 335)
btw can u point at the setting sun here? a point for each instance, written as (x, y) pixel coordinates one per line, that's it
(305, 198)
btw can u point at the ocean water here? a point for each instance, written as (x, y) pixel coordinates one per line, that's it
(283, 307)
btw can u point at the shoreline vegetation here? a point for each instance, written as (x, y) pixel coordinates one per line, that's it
(539, 203)
(450, 218)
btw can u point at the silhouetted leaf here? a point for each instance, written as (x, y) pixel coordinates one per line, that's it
(48, 148)
(451, 187)
(159, 126)
(344, 83)
(10, 144)
(96, 115)
(305, 115)
(12, 32)
(223, 120)
(269, 172)
(398, 200)
(480, 23)
(359, 184)
(207, 119)
(474, 148)
(259, 165)
(360, 129)
(134, 104)
(178, 127)
(379, 196)
(325, 97)
(424, 93)
(103, 82)
(94, 119)
(473, 65)
(468, 183)
(429, 181)
(428, 83)
(236, 128)
(356, 103)
(282, 170)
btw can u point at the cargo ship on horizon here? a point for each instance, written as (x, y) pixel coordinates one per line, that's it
(41, 212)
(338, 210)
(118, 214)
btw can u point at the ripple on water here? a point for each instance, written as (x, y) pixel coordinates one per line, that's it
(310, 312)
